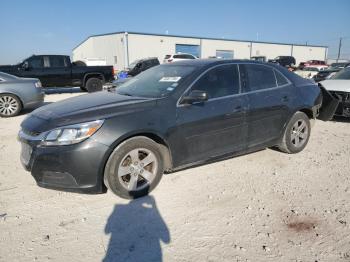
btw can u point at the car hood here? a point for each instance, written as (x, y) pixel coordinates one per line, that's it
(336, 85)
(84, 108)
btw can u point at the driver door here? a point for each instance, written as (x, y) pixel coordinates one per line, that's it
(216, 126)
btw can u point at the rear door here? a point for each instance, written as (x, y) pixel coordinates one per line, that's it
(217, 126)
(58, 70)
(270, 95)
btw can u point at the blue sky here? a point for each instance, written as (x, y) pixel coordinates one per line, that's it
(56, 27)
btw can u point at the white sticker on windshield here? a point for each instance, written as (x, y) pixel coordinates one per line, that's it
(170, 79)
(170, 89)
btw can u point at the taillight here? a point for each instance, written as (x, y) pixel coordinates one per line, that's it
(38, 84)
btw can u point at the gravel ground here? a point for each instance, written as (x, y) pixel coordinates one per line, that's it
(265, 206)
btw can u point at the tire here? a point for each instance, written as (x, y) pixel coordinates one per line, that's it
(93, 85)
(127, 172)
(10, 105)
(296, 135)
(82, 88)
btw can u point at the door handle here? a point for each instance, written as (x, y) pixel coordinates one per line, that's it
(285, 99)
(238, 108)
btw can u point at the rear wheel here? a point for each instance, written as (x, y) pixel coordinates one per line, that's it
(93, 85)
(134, 168)
(296, 134)
(10, 105)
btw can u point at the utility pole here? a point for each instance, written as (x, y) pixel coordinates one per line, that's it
(339, 49)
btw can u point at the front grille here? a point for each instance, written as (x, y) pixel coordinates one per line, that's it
(342, 96)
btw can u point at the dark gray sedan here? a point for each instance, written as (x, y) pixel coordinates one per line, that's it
(167, 118)
(18, 93)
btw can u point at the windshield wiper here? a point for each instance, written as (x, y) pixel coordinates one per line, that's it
(125, 94)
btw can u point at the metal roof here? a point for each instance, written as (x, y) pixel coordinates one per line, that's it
(196, 37)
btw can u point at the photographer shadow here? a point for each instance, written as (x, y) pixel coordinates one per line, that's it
(136, 229)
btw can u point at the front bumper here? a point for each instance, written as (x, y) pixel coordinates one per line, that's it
(343, 108)
(74, 168)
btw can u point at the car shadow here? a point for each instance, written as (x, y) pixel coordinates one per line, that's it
(62, 90)
(136, 230)
(341, 119)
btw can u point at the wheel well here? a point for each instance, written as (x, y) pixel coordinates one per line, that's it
(307, 112)
(165, 150)
(94, 75)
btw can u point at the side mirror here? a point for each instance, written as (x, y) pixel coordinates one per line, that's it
(196, 96)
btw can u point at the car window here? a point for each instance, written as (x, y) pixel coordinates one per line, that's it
(57, 61)
(219, 81)
(343, 74)
(259, 77)
(36, 62)
(189, 57)
(281, 79)
(167, 56)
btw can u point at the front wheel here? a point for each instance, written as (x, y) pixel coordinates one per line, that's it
(296, 134)
(134, 168)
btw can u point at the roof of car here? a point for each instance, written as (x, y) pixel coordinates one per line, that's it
(213, 61)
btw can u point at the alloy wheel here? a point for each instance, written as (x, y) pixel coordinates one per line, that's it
(299, 133)
(137, 169)
(8, 105)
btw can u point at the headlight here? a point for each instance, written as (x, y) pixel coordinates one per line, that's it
(73, 134)
(38, 84)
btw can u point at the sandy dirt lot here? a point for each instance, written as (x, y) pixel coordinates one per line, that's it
(265, 206)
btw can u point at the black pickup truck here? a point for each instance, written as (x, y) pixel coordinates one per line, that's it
(58, 71)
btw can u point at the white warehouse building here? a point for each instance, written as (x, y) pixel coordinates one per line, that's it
(122, 48)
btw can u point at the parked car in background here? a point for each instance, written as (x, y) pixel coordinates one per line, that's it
(330, 71)
(57, 70)
(18, 93)
(178, 57)
(258, 58)
(312, 63)
(340, 65)
(339, 86)
(307, 72)
(168, 117)
(141, 65)
(283, 60)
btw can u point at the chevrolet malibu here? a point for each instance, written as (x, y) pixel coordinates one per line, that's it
(167, 118)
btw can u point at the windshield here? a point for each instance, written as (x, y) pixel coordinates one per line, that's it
(156, 82)
(343, 74)
(311, 69)
(133, 64)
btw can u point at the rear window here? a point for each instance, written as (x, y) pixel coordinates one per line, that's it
(57, 61)
(259, 77)
(281, 80)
